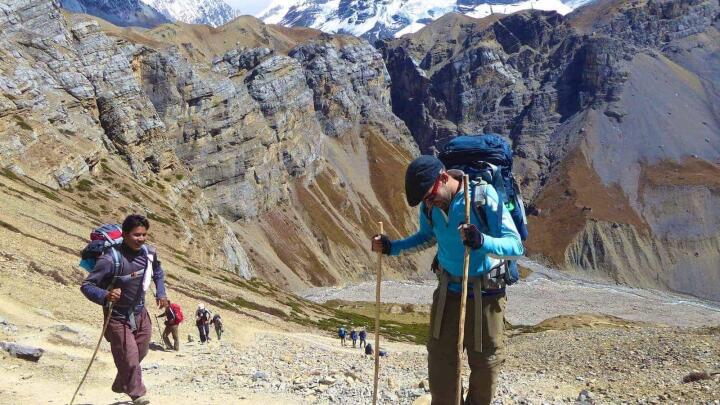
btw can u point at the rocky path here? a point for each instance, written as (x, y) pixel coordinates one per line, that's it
(591, 357)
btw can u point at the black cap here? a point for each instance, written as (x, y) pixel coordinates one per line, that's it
(420, 176)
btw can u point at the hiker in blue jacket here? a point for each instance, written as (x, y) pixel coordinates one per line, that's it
(363, 335)
(354, 337)
(490, 236)
(342, 333)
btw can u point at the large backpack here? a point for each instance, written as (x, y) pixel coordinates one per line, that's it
(488, 159)
(178, 313)
(217, 320)
(106, 237)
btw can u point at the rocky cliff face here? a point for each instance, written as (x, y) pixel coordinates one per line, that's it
(262, 155)
(611, 111)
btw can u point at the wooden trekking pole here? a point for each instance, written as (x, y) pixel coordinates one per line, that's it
(463, 297)
(92, 359)
(377, 321)
(157, 322)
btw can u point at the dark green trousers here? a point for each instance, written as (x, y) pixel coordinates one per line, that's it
(484, 366)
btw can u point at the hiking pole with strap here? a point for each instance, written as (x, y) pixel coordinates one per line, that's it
(463, 296)
(377, 322)
(92, 359)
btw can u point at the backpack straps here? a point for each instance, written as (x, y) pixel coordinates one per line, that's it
(479, 201)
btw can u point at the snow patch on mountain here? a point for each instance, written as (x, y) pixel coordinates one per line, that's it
(389, 18)
(210, 12)
(119, 12)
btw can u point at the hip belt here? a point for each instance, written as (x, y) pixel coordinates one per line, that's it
(490, 283)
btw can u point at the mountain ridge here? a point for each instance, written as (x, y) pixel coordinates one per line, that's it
(151, 13)
(390, 18)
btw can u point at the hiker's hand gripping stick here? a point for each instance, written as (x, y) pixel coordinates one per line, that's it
(381, 244)
(113, 295)
(471, 236)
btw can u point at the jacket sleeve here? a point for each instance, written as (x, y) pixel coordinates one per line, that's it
(100, 276)
(420, 240)
(159, 278)
(505, 241)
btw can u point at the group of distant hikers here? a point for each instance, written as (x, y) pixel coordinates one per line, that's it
(356, 335)
(476, 169)
(203, 319)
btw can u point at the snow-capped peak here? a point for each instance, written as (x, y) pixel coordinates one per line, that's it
(388, 18)
(210, 12)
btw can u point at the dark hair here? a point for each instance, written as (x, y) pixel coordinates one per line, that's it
(133, 221)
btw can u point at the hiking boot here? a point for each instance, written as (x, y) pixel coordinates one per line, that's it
(143, 400)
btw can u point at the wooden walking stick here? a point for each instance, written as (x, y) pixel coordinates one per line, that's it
(463, 297)
(92, 359)
(377, 321)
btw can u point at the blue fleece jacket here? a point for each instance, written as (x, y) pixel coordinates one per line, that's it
(501, 238)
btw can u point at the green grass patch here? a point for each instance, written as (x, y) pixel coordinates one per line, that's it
(105, 167)
(243, 303)
(89, 210)
(85, 185)
(39, 188)
(393, 330)
(179, 176)
(297, 307)
(9, 174)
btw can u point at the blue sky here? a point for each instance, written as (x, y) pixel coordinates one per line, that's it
(249, 6)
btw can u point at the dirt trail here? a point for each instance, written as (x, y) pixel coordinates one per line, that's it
(280, 363)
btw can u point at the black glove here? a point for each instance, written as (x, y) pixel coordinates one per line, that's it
(473, 238)
(385, 243)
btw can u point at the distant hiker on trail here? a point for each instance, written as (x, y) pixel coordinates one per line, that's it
(173, 317)
(363, 335)
(217, 322)
(354, 337)
(369, 349)
(202, 321)
(491, 234)
(128, 271)
(342, 332)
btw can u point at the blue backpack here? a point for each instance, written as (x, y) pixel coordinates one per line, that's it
(488, 158)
